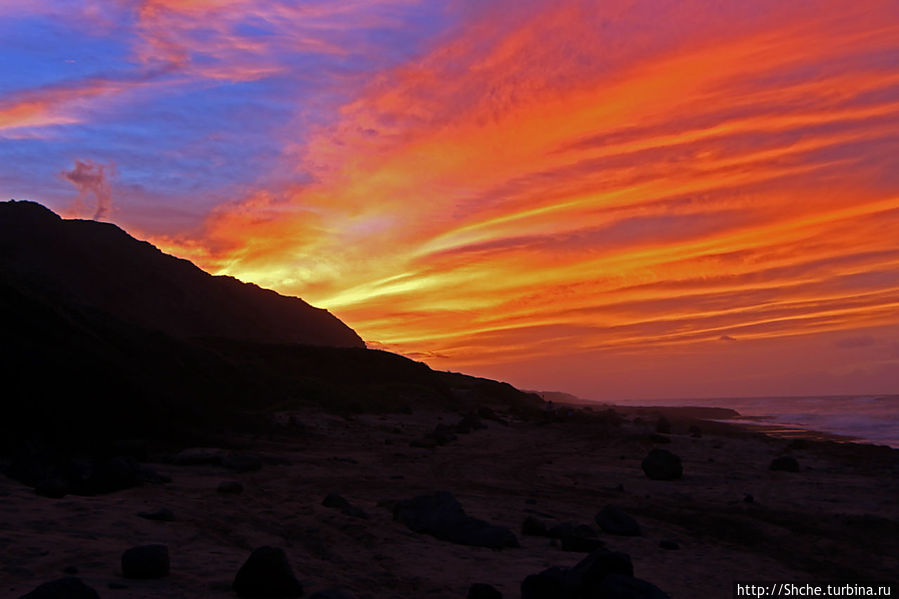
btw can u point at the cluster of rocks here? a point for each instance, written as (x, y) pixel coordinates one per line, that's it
(603, 573)
(56, 476)
(266, 573)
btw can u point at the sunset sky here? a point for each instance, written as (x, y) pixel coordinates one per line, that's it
(619, 199)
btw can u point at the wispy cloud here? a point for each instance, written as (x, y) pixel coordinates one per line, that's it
(544, 180)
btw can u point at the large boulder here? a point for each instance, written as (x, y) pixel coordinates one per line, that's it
(146, 561)
(266, 573)
(441, 515)
(590, 572)
(552, 583)
(661, 464)
(63, 588)
(616, 522)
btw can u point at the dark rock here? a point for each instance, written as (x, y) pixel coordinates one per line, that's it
(581, 544)
(533, 527)
(63, 588)
(747, 498)
(480, 590)
(146, 561)
(617, 586)
(670, 545)
(230, 487)
(590, 572)
(552, 583)
(333, 500)
(695, 431)
(54, 488)
(195, 456)
(784, 463)
(266, 573)
(663, 425)
(657, 438)
(443, 434)
(242, 462)
(115, 585)
(162, 514)
(661, 464)
(336, 501)
(616, 522)
(488, 413)
(469, 423)
(441, 515)
(71, 570)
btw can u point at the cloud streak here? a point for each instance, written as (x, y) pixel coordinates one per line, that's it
(566, 182)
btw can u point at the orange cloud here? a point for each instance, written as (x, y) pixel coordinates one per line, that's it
(553, 180)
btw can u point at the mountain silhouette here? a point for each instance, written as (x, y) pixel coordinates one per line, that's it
(99, 266)
(105, 337)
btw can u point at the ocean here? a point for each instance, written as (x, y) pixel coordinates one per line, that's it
(860, 418)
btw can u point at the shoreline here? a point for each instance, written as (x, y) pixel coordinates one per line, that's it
(758, 424)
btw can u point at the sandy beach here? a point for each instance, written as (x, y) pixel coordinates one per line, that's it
(730, 516)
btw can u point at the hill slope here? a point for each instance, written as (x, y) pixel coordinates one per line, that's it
(105, 337)
(98, 265)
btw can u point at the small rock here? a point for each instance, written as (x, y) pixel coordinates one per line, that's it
(230, 487)
(146, 561)
(162, 515)
(533, 527)
(784, 463)
(63, 588)
(657, 438)
(71, 570)
(333, 500)
(661, 464)
(670, 545)
(266, 573)
(116, 586)
(663, 425)
(480, 590)
(200, 455)
(242, 462)
(616, 522)
(747, 498)
(695, 432)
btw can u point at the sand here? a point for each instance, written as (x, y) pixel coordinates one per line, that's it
(836, 518)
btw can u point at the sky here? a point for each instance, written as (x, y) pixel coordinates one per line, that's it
(617, 198)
